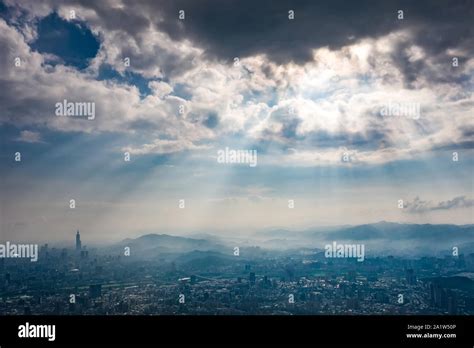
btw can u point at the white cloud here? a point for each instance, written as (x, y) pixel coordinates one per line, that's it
(29, 137)
(336, 98)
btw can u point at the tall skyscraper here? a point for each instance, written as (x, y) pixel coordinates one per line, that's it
(252, 278)
(410, 276)
(78, 241)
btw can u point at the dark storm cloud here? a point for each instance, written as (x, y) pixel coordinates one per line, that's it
(439, 26)
(230, 29)
(129, 18)
(246, 27)
(240, 28)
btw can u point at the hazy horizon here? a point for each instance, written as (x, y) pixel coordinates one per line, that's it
(91, 238)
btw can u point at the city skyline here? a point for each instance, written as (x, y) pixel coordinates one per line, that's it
(254, 282)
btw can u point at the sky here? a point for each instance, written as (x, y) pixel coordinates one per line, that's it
(312, 86)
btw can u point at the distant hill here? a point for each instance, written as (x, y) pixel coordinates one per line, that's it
(293, 235)
(153, 245)
(380, 238)
(397, 232)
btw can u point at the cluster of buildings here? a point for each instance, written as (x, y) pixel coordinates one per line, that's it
(79, 282)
